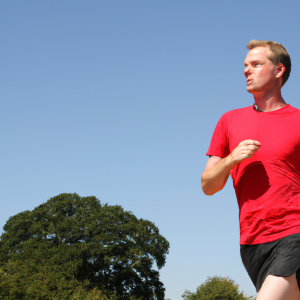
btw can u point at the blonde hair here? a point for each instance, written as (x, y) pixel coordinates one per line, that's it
(278, 55)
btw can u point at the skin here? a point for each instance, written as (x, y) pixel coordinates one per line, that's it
(279, 288)
(264, 81)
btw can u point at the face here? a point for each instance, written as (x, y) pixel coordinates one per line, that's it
(260, 72)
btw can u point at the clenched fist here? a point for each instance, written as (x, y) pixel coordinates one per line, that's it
(244, 150)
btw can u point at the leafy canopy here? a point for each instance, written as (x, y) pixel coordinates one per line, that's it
(71, 246)
(216, 288)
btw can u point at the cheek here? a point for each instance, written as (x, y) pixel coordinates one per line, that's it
(264, 75)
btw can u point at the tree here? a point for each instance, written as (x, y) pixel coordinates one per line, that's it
(73, 244)
(216, 288)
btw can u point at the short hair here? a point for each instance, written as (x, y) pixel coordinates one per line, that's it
(278, 55)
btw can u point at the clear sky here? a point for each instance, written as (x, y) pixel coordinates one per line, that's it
(119, 99)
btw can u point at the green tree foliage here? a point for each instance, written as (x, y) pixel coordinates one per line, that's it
(216, 288)
(74, 247)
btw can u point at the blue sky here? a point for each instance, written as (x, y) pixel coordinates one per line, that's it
(119, 99)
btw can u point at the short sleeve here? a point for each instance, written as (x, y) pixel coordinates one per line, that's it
(219, 145)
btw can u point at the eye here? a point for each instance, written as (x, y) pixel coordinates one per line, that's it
(258, 64)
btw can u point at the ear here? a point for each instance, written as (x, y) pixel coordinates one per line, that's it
(280, 69)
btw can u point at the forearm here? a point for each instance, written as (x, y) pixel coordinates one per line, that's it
(214, 179)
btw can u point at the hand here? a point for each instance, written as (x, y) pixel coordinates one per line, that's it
(244, 150)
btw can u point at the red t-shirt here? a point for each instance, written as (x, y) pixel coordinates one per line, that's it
(267, 185)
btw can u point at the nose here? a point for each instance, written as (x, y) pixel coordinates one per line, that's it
(247, 71)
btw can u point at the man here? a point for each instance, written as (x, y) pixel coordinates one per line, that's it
(259, 146)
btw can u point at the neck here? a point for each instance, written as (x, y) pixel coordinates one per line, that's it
(266, 101)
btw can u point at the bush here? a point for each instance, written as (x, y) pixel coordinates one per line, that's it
(216, 288)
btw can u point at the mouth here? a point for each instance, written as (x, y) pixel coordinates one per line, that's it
(249, 81)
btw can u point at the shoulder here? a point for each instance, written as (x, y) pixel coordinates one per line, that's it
(294, 109)
(239, 111)
(236, 113)
(232, 119)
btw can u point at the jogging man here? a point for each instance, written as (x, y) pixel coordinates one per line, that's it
(259, 146)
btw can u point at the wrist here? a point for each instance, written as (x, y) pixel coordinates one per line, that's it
(229, 162)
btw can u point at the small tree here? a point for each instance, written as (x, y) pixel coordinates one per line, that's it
(216, 288)
(73, 247)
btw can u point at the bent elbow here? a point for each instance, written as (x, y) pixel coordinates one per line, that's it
(209, 189)
(206, 189)
(208, 193)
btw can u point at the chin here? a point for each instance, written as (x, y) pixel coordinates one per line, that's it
(253, 89)
(250, 90)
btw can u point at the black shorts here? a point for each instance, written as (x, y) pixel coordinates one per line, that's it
(278, 258)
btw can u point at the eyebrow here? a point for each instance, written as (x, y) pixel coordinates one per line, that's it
(253, 62)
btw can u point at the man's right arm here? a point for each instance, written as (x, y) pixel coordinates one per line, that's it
(217, 169)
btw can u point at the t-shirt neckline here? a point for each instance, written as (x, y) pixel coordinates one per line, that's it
(273, 112)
